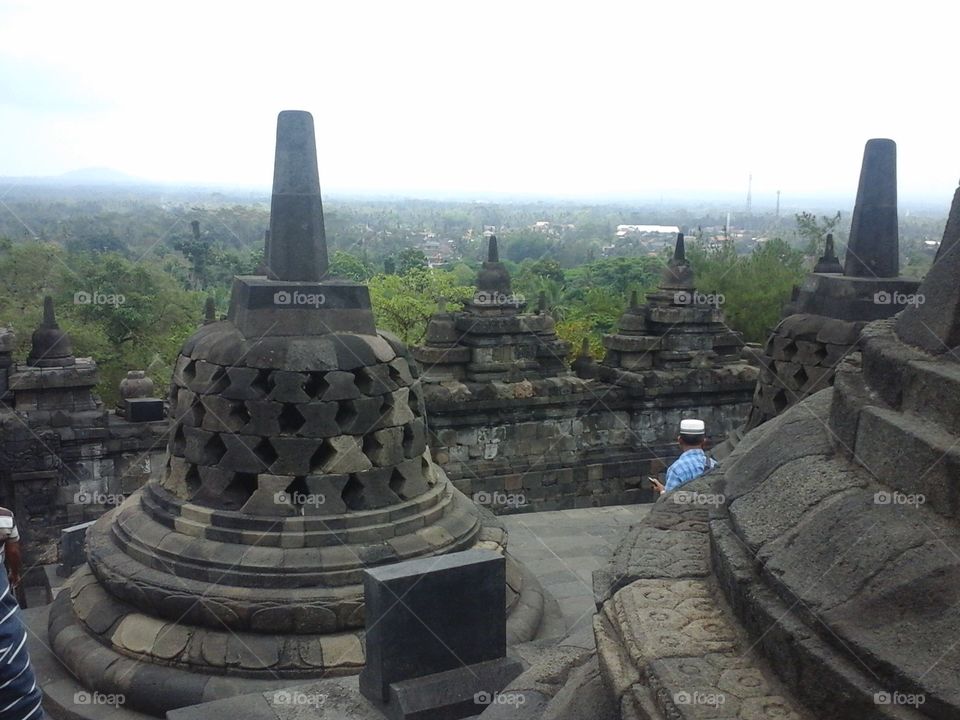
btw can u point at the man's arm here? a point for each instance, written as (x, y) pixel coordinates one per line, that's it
(13, 561)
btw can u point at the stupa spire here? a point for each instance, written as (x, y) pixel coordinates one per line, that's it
(297, 246)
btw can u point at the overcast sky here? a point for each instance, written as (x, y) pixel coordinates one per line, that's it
(583, 98)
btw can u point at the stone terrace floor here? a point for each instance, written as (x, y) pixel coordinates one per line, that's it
(563, 548)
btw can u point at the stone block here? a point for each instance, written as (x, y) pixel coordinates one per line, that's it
(452, 614)
(384, 447)
(72, 548)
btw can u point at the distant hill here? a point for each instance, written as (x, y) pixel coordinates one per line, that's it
(98, 176)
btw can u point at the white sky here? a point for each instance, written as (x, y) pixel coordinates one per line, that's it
(552, 98)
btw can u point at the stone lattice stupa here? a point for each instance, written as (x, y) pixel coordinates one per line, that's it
(297, 458)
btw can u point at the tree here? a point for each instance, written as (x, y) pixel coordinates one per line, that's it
(412, 259)
(404, 303)
(349, 267)
(814, 231)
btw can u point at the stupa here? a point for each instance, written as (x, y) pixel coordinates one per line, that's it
(297, 458)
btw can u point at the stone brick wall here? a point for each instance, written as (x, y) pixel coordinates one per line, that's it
(563, 442)
(64, 459)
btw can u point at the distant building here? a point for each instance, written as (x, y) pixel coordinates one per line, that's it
(625, 230)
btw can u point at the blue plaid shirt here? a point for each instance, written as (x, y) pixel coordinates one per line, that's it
(689, 466)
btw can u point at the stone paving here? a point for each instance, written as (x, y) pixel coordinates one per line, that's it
(564, 547)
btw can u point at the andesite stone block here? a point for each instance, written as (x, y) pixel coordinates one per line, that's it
(432, 615)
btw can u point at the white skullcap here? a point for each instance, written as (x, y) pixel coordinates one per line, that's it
(692, 427)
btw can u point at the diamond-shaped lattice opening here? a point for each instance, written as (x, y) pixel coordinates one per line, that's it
(408, 437)
(214, 450)
(189, 371)
(395, 375)
(352, 494)
(397, 481)
(238, 491)
(290, 419)
(800, 377)
(316, 385)
(413, 400)
(820, 354)
(218, 382)
(321, 458)
(178, 443)
(298, 488)
(239, 414)
(192, 480)
(780, 401)
(263, 383)
(265, 453)
(789, 350)
(346, 414)
(194, 414)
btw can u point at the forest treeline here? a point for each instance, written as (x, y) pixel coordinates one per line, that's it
(129, 274)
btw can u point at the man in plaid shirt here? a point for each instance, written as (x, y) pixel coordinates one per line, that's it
(693, 461)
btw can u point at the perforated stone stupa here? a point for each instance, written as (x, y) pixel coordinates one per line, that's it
(834, 302)
(297, 458)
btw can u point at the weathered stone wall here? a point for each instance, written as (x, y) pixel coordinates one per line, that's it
(64, 459)
(563, 442)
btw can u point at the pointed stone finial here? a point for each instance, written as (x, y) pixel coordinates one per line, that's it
(829, 263)
(209, 311)
(195, 226)
(441, 305)
(583, 364)
(634, 300)
(51, 346)
(542, 303)
(679, 251)
(49, 318)
(493, 253)
(493, 280)
(678, 275)
(873, 250)
(297, 245)
(933, 321)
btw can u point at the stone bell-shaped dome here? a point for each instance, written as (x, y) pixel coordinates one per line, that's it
(297, 458)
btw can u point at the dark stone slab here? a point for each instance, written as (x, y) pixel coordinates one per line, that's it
(261, 307)
(873, 250)
(855, 299)
(72, 551)
(432, 615)
(454, 694)
(144, 409)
